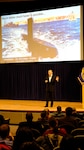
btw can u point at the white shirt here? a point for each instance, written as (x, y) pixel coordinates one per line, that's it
(50, 78)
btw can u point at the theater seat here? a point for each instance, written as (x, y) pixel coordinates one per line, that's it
(81, 123)
(79, 141)
(77, 131)
(56, 148)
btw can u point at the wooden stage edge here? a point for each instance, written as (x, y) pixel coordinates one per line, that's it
(35, 105)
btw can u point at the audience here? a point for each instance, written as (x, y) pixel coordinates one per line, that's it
(53, 131)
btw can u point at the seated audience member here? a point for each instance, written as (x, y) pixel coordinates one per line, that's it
(23, 134)
(58, 112)
(74, 112)
(30, 123)
(47, 113)
(52, 136)
(30, 146)
(53, 128)
(29, 120)
(68, 143)
(76, 115)
(49, 142)
(43, 121)
(68, 120)
(3, 120)
(42, 118)
(6, 140)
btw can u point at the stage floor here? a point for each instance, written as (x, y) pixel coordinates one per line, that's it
(35, 106)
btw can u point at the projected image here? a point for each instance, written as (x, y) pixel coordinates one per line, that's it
(48, 35)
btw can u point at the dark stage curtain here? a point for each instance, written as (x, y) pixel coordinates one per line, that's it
(26, 80)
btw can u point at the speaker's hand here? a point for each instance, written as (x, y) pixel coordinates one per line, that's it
(46, 81)
(57, 78)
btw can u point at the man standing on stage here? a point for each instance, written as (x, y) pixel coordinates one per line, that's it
(50, 87)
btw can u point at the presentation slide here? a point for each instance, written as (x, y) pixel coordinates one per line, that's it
(41, 36)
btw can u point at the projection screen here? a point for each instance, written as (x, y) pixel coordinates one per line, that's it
(41, 36)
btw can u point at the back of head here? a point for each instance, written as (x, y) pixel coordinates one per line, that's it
(47, 112)
(59, 109)
(29, 116)
(23, 134)
(4, 131)
(74, 112)
(68, 111)
(53, 122)
(43, 114)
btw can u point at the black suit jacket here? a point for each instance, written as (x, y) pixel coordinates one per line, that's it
(33, 125)
(50, 86)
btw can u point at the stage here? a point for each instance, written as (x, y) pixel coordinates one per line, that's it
(35, 106)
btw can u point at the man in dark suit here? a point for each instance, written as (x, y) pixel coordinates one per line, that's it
(50, 87)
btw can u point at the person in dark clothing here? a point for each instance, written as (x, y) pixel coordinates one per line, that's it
(44, 121)
(58, 113)
(53, 128)
(23, 134)
(76, 115)
(52, 136)
(30, 123)
(68, 121)
(50, 87)
(68, 143)
(2, 120)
